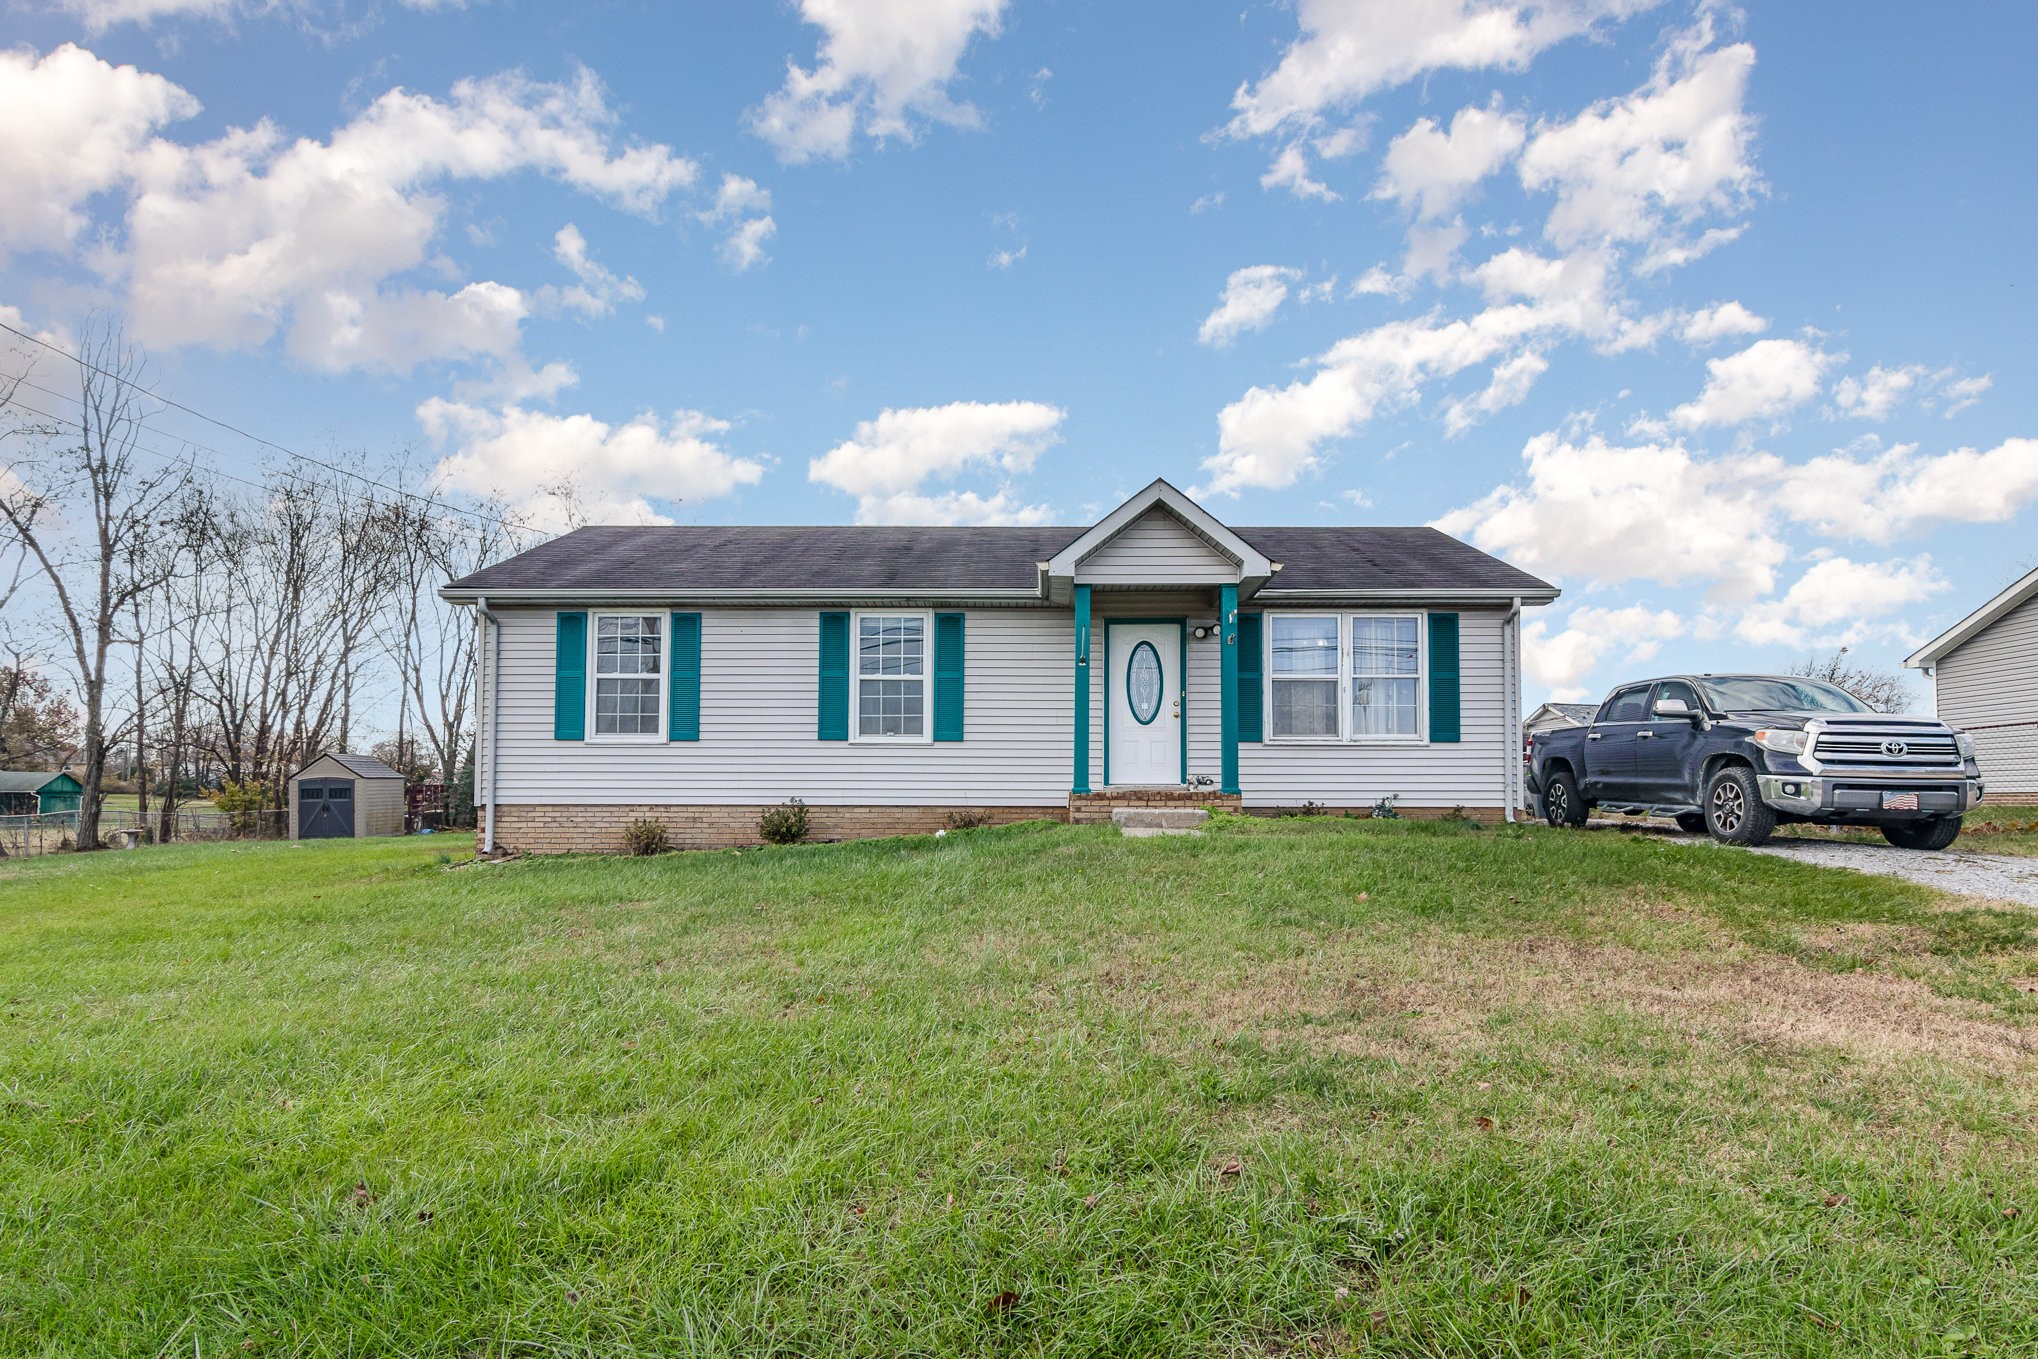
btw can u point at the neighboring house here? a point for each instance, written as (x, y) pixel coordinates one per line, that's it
(31, 793)
(1982, 670)
(889, 676)
(1552, 716)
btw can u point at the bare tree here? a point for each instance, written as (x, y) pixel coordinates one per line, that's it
(1881, 690)
(83, 501)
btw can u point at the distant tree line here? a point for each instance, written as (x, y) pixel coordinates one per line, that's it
(217, 630)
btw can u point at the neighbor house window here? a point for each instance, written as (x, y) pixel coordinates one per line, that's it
(629, 674)
(1344, 677)
(891, 676)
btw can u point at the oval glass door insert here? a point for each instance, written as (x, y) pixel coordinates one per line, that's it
(1143, 683)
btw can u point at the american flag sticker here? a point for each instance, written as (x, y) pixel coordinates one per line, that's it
(1900, 802)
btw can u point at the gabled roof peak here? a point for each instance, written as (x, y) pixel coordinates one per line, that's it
(1159, 494)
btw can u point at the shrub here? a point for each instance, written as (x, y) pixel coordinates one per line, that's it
(645, 836)
(1464, 817)
(784, 825)
(243, 804)
(1383, 810)
(1311, 808)
(968, 818)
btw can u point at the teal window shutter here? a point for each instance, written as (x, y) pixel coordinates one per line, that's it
(948, 668)
(833, 717)
(684, 696)
(1443, 677)
(1252, 689)
(569, 679)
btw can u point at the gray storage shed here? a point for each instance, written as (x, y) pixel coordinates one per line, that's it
(345, 797)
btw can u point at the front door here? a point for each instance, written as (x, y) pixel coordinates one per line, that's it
(325, 809)
(1144, 682)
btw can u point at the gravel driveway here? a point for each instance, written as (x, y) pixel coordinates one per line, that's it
(2005, 877)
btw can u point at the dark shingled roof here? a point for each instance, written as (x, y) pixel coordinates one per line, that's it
(683, 558)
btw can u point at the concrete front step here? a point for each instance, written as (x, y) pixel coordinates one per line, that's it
(1181, 819)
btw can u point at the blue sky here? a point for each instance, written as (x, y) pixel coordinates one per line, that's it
(1717, 316)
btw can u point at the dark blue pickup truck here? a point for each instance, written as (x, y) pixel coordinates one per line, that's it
(1739, 755)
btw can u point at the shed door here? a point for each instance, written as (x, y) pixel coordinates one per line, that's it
(325, 809)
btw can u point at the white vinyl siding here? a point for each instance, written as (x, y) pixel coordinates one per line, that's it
(1989, 687)
(1156, 549)
(759, 693)
(1471, 772)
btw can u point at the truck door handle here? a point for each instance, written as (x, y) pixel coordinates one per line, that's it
(1645, 736)
(1592, 736)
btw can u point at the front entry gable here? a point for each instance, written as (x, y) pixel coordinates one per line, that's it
(1159, 537)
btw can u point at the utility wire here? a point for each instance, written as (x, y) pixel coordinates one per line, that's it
(84, 363)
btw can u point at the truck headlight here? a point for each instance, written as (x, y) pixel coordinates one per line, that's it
(1782, 742)
(1963, 743)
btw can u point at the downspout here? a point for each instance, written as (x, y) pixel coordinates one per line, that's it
(1512, 666)
(494, 715)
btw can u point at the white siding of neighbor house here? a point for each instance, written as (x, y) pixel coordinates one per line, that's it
(1471, 772)
(1989, 686)
(760, 685)
(1155, 549)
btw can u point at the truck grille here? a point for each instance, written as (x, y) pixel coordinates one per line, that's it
(1887, 745)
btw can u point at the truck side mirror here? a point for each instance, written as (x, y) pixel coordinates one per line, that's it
(1667, 708)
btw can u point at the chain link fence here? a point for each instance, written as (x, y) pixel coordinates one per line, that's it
(51, 832)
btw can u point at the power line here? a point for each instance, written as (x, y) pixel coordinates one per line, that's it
(84, 363)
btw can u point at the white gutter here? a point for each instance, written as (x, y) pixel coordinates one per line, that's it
(494, 625)
(1510, 663)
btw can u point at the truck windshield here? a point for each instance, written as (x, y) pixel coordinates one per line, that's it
(1766, 693)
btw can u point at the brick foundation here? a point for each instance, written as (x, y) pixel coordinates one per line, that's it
(1092, 809)
(582, 828)
(1487, 816)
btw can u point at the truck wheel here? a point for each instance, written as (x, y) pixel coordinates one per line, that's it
(1734, 810)
(1562, 803)
(1934, 833)
(1691, 823)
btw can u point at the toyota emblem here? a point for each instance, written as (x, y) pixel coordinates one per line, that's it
(1896, 750)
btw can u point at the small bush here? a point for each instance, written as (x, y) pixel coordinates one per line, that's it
(1311, 808)
(1383, 810)
(968, 818)
(1462, 816)
(784, 825)
(645, 836)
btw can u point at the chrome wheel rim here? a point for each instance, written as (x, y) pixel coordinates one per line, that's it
(1560, 803)
(1728, 806)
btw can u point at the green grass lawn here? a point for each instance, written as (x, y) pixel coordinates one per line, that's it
(1985, 830)
(1294, 1087)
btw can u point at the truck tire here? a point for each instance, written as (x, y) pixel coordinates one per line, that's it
(1563, 804)
(1691, 823)
(1734, 810)
(1934, 833)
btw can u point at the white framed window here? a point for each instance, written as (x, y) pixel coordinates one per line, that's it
(890, 676)
(1345, 677)
(629, 676)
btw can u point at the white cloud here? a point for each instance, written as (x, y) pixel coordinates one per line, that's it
(1005, 259)
(1251, 297)
(1875, 395)
(1561, 660)
(1724, 320)
(1648, 512)
(1839, 592)
(1896, 493)
(71, 126)
(1510, 385)
(1769, 378)
(1961, 393)
(1433, 171)
(886, 462)
(1290, 171)
(231, 241)
(746, 208)
(100, 15)
(883, 66)
(1349, 49)
(598, 290)
(538, 460)
(1642, 167)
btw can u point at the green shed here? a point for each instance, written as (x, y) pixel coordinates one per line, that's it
(27, 793)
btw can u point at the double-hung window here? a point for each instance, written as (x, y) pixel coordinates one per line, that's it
(891, 676)
(629, 674)
(1344, 677)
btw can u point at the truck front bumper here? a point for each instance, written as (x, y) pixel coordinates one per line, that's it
(1844, 798)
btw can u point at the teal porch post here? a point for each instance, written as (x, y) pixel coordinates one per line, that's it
(1081, 782)
(1227, 627)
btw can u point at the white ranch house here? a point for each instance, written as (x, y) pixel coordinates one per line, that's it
(1981, 670)
(890, 676)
